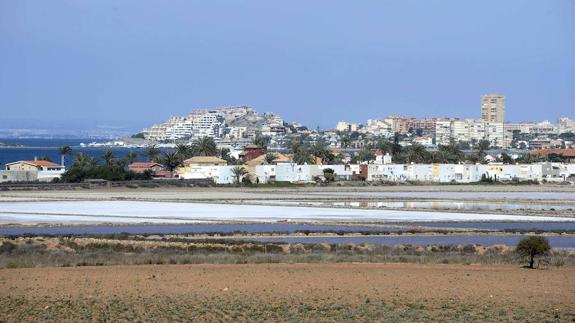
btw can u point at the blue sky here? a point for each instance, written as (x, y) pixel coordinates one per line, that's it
(130, 63)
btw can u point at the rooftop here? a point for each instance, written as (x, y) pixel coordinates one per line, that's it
(204, 160)
(45, 163)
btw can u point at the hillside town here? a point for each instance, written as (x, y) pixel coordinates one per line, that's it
(238, 145)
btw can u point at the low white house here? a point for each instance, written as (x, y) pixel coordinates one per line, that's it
(45, 169)
(294, 173)
(266, 173)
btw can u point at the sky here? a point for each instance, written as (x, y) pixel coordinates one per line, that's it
(127, 64)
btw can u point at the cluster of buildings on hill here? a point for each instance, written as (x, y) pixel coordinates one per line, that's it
(227, 123)
(235, 127)
(491, 127)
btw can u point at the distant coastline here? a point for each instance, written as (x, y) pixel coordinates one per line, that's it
(11, 145)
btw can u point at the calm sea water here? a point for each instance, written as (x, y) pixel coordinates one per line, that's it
(50, 147)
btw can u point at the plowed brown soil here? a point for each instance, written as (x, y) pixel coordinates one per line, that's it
(442, 292)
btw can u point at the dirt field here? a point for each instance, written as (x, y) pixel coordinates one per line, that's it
(288, 292)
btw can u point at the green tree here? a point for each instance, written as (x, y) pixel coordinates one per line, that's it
(262, 141)
(396, 147)
(329, 174)
(65, 150)
(152, 152)
(482, 147)
(171, 160)
(345, 141)
(131, 156)
(184, 151)
(108, 157)
(295, 145)
(239, 172)
(205, 146)
(449, 154)
(384, 145)
(84, 161)
(416, 153)
(364, 155)
(302, 156)
(270, 157)
(506, 159)
(320, 150)
(532, 247)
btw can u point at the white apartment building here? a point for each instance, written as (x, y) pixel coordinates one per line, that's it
(379, 127)
(469, 130)
(566, 124)
(237, 132)
(200, 123)
(344, 126)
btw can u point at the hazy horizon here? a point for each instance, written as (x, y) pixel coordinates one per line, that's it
(130, 64)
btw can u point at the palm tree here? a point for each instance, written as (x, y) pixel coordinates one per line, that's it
(108, 157)
(262, 141)
(224, 153)
(270, 157)
(295, 145)
(131, 156)
(416, 154)
(302, 156)
(345, 141)
(205, 146)
(184, 151)
(152, 152)
(64, 150)
(482, 146)
(239, 172)
(171, 160)
(84, 161)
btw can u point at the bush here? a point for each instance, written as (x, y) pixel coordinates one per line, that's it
(7, 247)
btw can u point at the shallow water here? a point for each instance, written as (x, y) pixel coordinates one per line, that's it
(188, 228)
(434, 205)
(563, 242)
(274, 227)
(70, 212)
(564, 196)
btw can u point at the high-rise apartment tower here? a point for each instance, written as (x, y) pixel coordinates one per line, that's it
(493, 108)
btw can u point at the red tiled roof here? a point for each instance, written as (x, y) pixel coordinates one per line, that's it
(143, 165)
(569, 152)
(41, 163)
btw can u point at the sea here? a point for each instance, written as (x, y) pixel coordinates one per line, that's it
(50, 148)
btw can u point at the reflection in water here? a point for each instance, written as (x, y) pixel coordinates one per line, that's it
(438, 205)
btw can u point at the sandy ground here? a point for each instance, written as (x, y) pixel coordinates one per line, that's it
(349, 282)
(500, 287)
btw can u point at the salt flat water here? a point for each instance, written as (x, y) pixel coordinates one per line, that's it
(562, 242)
(198, 228)
(67, 212)
(437, 205)
(563, 196)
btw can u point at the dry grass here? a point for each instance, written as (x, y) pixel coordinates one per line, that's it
(126, 250)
